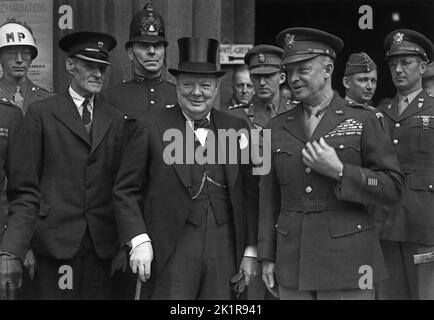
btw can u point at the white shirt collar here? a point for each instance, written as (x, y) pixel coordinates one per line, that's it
(78, 99)
(411, 96)
(200, 133)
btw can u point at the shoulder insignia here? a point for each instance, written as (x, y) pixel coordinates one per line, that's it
(380, 117)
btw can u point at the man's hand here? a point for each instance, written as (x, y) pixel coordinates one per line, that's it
(322, 158)
(119, 262)
(10, 276)
(141, 259)
(249, 266)
(268, 277)
(30, 263)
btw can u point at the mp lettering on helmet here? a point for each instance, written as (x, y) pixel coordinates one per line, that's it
(10, 37)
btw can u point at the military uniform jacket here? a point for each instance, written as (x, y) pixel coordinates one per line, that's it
(169, 187)
(31, 94)
(412, 133)
(316, 229)
(76, 173)
(17, 223)
(138, 97)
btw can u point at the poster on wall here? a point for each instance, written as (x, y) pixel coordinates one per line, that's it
(38, 14)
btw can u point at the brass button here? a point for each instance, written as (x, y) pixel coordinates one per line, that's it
(341, 146)
(278, 150)
(430, 187)
(359, 227)
(397, 125)
(308, 170)
(395, 141)
(152, 89)
(308, 189)
(152, 102)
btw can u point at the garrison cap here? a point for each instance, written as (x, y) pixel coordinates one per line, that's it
(306, 43)
(429, 73)
(408, 42)
(264, 59)
(147, 25)
(359, 63)
(88, 45)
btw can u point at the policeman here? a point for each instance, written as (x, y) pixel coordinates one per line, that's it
(329, 159)
(265, 65)
(360, 79)
(409, 223)
(428, 80)
(146, 48)
(16, 223)
(17, 51)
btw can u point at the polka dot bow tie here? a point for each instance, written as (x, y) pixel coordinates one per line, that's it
(202, 123)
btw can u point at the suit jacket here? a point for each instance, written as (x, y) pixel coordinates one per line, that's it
(134, 97)
(169, 187)
(16, 224)
(412, 218)
(76, 175)
(317, 230)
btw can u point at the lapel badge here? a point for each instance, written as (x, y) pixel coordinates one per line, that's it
(420, 105)
(289, 40)
(398, 38)
(169, 106)
(339, 112)
(244, 142)
(389, 106)
(290, 118)
(261, 58)
(100, 44)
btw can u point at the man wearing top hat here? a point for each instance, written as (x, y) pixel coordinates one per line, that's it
(360, 79)
(207, 233)
(266, 72)
(408, 224)
(77, 141)
(146, 49)
(428, 80)
(329, 159)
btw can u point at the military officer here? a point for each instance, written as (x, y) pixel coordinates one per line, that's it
(329, 159)
(16, 54)
(428, 80)
(17, 223)
(146, 48)
(360, 79)
(265, 65)
(242, 88)
(408, 228)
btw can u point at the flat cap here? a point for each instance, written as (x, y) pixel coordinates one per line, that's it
(408, 42)
(264, 59)
(88, 45)
(359, 63)
(302, 44)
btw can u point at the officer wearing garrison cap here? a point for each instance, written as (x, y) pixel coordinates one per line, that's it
(428, 80)
(146, 49)
(360, 79)
(77, 140)
(408, 224)
(329, 159)
(266, 72)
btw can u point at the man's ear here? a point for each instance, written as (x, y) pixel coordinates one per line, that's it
(282, 77)
(329, 67)
(69, 64)
(130, 53)
(345, 82)
(423, 66)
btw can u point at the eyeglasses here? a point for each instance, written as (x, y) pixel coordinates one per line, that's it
(404, 63)
(25, 54)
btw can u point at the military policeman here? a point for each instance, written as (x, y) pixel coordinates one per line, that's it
(408, 228)
(360, 79)
(17, 51)
(146, 48)
(428, 80)
(17, 223)
(329, 159)
(265, 65)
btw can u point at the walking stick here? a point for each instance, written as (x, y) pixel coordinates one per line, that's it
(138, 288)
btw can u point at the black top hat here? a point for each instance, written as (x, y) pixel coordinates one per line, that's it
(197, 55)
(147, 26)
(88, 45)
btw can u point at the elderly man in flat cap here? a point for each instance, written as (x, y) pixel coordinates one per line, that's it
(428, 80)
(208, 233)
(329, 160)
(360, 79)
(408, 233)
(77, 141)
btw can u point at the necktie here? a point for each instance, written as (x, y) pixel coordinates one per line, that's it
(270, 111)
(18, 97)
(312, 121)
(86, 116)
(202, 123)
(402, 105)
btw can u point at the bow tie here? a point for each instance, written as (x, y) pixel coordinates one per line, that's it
(202, 123)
